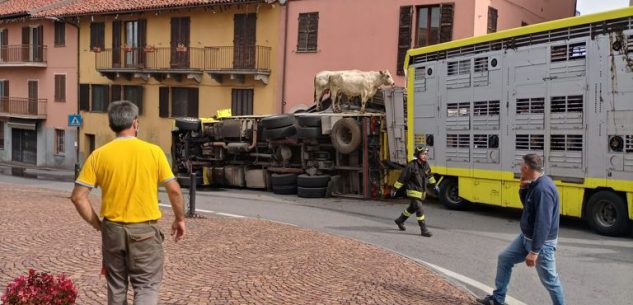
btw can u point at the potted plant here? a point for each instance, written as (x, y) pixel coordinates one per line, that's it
(96, 49)
(40, 288)
(149, 49)
(181, 48)
(127, 48)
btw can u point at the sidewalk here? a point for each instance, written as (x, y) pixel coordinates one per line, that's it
(221, 260)
(31, 171)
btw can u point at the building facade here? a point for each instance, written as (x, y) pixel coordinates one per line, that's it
(172, 59)
(360, 34)
(38, 87)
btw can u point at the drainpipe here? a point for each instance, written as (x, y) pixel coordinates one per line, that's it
(283, 81)
(76, 26)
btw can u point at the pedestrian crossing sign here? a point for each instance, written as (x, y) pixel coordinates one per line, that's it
(74, 120)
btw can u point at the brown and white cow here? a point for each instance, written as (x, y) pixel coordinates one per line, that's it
(322, 84)
(357, 83)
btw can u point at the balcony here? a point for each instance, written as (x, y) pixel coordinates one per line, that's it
(23, 107)
(160, 63)
(237, 62)
(23, 56)
(181, 62)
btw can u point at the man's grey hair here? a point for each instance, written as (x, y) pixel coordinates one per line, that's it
(534, 162)
(121, 115)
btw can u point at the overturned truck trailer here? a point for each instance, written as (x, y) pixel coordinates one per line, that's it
(311, 154)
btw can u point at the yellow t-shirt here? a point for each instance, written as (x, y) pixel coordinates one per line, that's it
(128, 171)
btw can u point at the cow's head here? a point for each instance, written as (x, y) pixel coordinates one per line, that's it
(386, 78)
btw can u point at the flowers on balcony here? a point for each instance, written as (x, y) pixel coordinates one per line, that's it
(127, 48)
(149, 49)
(96, 49)
(181, 48)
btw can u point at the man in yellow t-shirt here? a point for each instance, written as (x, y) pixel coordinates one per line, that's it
(128, 171)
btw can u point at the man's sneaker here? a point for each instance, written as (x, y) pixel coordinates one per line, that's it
(488, 300)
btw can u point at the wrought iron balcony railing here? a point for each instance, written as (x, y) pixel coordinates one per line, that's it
(23, 55)
(237, 58)
(176, 58)
(23, 107)
(227, 59)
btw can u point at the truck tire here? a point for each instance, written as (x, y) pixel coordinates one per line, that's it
(346, 135)
(449, 195)
(285, 189)
(311, 192)
(188, 124)
(308, 132)
(318, 181)
(278, 121)
(309, 121)
(283, 179)
(279, 133)
(607, 214)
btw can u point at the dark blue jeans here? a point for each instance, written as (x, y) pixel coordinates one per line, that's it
(545, 267)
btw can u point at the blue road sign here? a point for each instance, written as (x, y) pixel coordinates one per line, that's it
(74, 120)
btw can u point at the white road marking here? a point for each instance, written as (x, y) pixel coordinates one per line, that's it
(466, 280)
(209, 212)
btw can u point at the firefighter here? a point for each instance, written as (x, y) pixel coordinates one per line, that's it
(415, 176)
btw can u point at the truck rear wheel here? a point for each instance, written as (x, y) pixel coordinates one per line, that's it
(188, 124)
(449, 195)
(346, 135)
(607, 214)
(278, 121)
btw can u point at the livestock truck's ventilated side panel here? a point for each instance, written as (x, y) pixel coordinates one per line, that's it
(563, 90)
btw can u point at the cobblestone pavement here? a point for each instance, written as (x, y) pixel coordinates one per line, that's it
(221, 261)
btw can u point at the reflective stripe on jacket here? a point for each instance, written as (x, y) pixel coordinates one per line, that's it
(415, 176)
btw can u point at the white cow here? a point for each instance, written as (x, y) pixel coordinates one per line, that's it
(357, 83)
(322, 84)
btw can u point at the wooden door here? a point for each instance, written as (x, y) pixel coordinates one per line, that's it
(244, 41)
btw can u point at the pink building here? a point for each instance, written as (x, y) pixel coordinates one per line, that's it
(375, 34)
(38, 86)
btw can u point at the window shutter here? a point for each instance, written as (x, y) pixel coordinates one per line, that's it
(116, 44)
(4, 52)
(163, 102)
(303, 32)
(60, 88)
(84, 97)
(6, 88)
(142, 41)
(97, 33)
(139, 95)
(116, 93)
(25, 43)
(404, 36)
(446, 23)
(313, 32)
(192, 104)
(492, 19)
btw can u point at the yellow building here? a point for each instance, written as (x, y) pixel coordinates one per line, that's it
(175, 58)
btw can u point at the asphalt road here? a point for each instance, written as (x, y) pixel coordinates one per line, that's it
(594, 269)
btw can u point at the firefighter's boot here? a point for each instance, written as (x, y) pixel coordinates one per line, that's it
(424, 231)
(400, 222)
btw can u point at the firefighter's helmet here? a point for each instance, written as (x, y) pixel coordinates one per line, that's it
(420, 149)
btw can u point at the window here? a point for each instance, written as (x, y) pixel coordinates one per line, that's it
(484, 141)
(458, 140)
(492, 19)
(60, 88)
(60, 34)
(242, 102)
(134, 94)
(458, 109)
(178, 102)
(59, 141)
(461, 67)
(4, 42)
(84, 97)
(308, 32)
(530, 105)
(573, 51)
(566, 142)
(1, 134)
(100, 98)
(483, 108)
(4, 91)
(97, 36)
(481, 64)
(530, 142)
(573, 103)
(404, 36)
(435, 24)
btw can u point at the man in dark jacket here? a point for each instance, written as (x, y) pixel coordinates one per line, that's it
(415, 176)
(536, 245)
